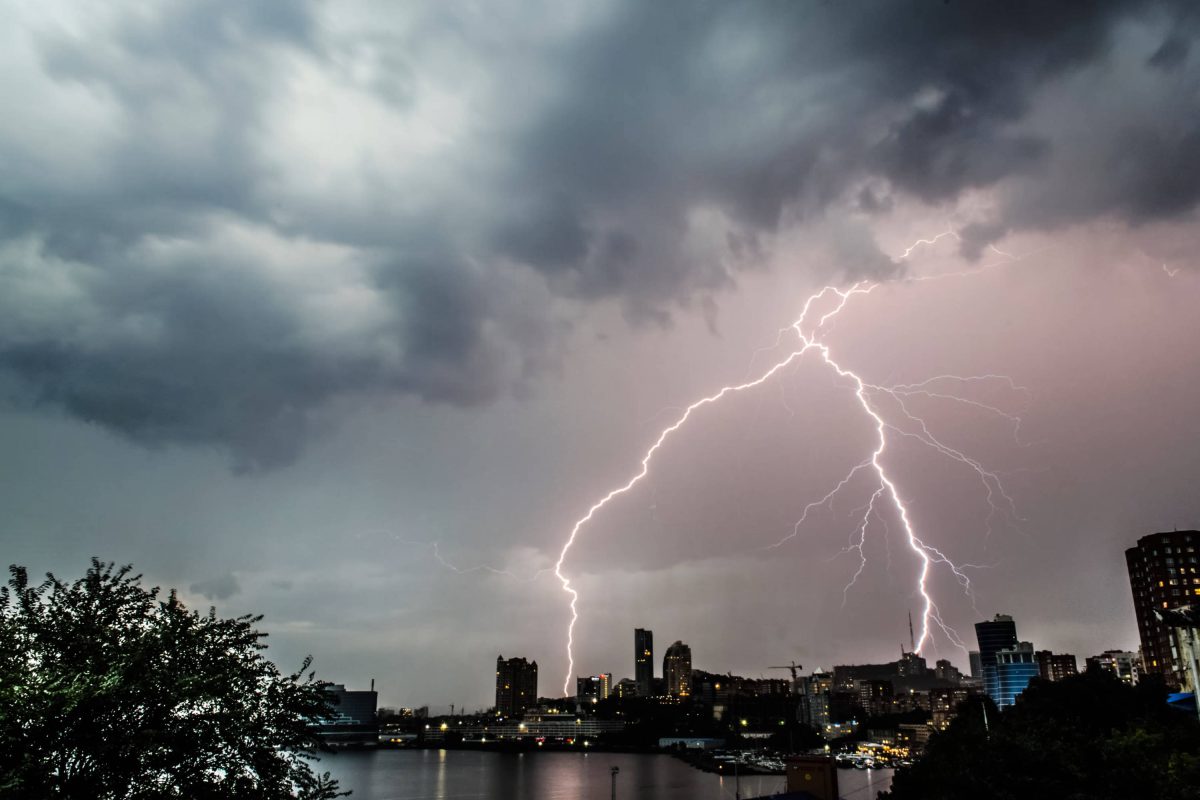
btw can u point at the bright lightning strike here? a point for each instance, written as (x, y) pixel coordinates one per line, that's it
(634, 481)
(810, 338)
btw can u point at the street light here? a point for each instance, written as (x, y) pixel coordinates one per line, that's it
(613, 772)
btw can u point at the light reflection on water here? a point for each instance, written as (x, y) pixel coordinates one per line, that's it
(475, 775)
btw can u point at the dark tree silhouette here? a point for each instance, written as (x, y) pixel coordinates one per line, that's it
(108, 691)
(1089, 737)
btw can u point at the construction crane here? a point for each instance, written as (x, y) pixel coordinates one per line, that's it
(794, 668)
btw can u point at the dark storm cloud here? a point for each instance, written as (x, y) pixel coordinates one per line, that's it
(178, 269)
(1171, 54)
(222, 587)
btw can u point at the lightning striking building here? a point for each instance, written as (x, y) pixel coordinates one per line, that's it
(643, 661)
(677, 670)
(1163, 575)
(516, 686)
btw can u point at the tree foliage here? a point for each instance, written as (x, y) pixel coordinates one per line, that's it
(1088, 737)
(108, 691)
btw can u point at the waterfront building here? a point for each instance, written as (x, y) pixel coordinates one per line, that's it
(516, 686)
(1125, 664)
(593, 689)
(1056, 666)
(995, 635)
(548, 726)
(677, 670)
(1015, 667)
(1163, 575)
(353, 719)
(643, 661)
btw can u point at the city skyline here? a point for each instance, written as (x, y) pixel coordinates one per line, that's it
(347, 315)
(1002, 664)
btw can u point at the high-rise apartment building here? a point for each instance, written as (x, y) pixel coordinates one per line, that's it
(593, 689)
(1163, 575)
(944, 703)
(677, 670)
(1056, 666)
(1124, 664)
(643, 661)
(998, 634)
(814, 700)
(516, 686)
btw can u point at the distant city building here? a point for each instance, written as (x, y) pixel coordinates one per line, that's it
(516, 686)
(677, 670)
(1015, 667)
(998, 634)
(876, 696)
(643, 661)
(813, 708)
(354, 715)
(943, 705)
(1125, 664)
(1056, 666)
(976, 664)
(626, 687)
(910, 677)
(911, 665)
(946, 671)
(1163, 575)
(593, 689)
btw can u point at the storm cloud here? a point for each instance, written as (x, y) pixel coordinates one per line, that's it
(223, 225)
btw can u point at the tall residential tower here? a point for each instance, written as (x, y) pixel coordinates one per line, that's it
(643, 661)
(1162, 575)
(516, 686)
(677, 670)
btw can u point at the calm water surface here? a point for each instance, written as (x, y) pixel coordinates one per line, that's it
(474, 775)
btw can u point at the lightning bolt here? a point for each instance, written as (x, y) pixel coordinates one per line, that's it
(908, 251)
(810, 338)
(634, 481)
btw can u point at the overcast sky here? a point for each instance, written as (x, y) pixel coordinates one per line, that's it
(344, 313)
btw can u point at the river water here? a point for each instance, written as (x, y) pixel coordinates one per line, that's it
(476, 775)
